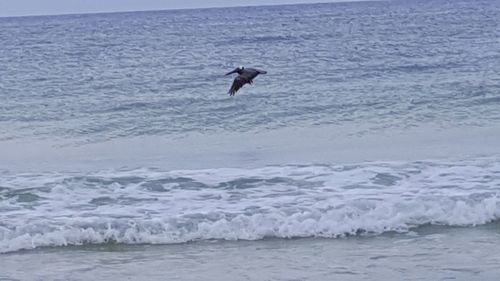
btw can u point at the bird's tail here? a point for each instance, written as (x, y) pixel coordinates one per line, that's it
(262, 72)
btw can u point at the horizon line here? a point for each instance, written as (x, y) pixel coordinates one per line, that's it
(185, 9)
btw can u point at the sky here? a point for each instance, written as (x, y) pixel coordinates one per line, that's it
(54, 7)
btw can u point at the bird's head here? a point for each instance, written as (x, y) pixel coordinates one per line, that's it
(238, 70)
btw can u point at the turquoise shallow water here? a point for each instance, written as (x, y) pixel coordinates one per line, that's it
(370, 149)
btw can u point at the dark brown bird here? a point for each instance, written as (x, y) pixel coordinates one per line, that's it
(245, 75)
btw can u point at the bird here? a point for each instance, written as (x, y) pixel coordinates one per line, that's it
(245, 75)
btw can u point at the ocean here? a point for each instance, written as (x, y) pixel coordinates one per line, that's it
(369, 151)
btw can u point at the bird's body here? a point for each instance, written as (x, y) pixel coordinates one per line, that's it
(245, 76)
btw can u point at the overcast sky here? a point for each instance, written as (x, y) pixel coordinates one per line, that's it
(50, 7)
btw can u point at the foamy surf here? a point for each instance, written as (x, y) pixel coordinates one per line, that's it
(151, 206)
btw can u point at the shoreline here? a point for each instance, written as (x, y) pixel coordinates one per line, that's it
(464, 253)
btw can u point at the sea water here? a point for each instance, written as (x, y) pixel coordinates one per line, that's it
(370, 150)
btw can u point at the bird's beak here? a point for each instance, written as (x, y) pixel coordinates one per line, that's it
(234, 71)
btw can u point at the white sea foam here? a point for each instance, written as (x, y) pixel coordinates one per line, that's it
(161, 207)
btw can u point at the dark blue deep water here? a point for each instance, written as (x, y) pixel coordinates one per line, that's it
(378, 64)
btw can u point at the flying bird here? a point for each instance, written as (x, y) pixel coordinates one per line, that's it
(245, 75)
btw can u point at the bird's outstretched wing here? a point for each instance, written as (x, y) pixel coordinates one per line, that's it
(238, 82)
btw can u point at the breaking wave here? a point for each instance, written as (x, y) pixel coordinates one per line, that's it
(153, 206)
